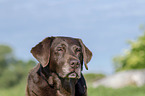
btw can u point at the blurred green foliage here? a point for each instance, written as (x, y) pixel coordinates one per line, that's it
(5, 57)
(134, 58)
(12, 71)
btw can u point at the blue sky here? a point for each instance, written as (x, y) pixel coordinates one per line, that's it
(103, 25)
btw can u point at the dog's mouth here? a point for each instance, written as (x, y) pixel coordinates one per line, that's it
(72, 75)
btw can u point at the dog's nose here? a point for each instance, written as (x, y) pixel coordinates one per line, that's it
(74, 63)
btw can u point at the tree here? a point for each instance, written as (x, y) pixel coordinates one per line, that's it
(134, 58)
(5, 57)
(12, 70)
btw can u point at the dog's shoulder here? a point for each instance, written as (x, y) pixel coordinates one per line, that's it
(32, 74)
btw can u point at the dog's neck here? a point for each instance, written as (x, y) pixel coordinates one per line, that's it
(62, 85)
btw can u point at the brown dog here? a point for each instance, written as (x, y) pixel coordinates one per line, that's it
(59, 70)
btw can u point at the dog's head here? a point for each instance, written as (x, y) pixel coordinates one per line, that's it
(63, 55)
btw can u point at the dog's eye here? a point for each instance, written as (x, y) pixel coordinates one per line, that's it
(78, 50)
(60, 49)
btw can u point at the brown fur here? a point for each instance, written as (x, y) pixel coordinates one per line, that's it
(59, 70)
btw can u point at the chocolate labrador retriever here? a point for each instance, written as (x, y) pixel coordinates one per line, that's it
(59, 70)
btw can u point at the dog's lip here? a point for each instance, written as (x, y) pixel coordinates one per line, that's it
(72, 75)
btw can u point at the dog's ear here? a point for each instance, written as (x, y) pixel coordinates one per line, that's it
(87, 54)
(42, 51)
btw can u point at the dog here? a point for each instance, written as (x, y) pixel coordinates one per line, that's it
(58, 72)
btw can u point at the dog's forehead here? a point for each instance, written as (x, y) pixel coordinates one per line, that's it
(65, 40)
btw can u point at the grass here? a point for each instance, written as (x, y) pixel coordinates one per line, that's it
(19, 90)
(91, 77)
(127, 91)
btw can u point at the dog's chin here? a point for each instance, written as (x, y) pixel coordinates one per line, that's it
(70, 75)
